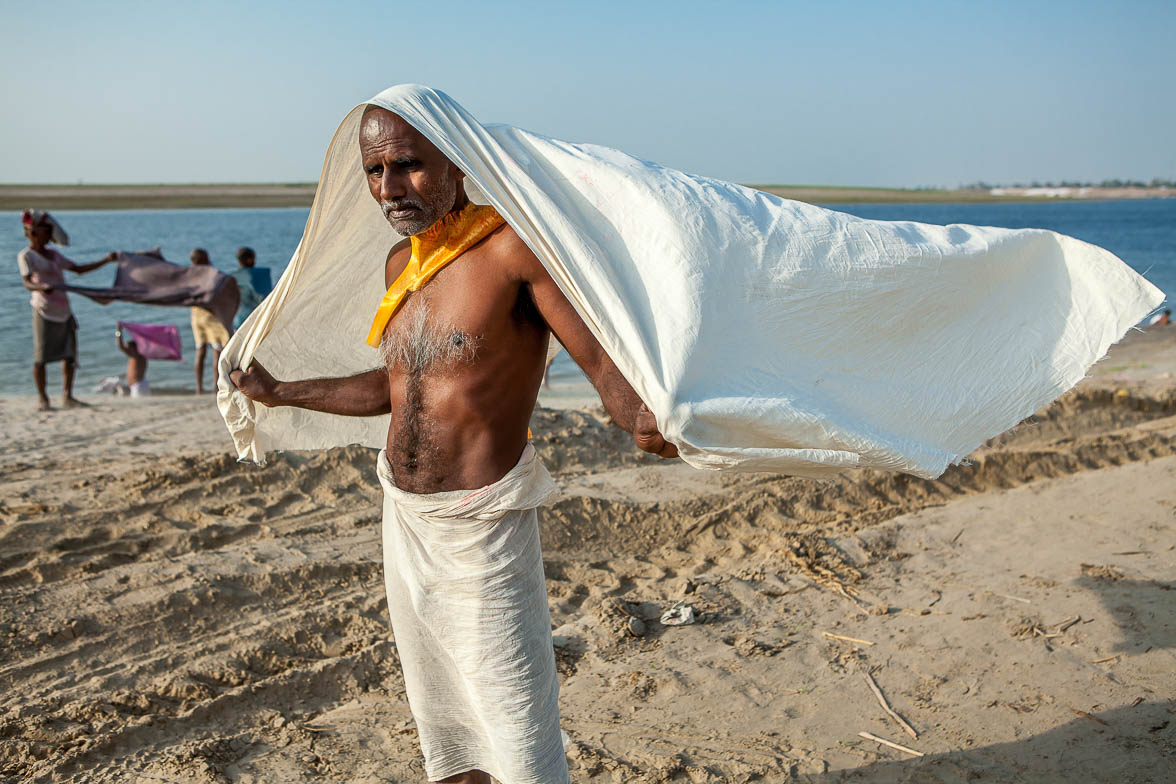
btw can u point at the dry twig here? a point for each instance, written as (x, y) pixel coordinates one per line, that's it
(620, 607)
(803, 553)
(1090, 716)
(885, 742)
(886, 706)
(832, 636)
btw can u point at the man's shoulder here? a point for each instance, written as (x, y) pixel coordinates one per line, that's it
(507, 248)
(403, 247)
(26, 259)
(397, 259)
(504, 238)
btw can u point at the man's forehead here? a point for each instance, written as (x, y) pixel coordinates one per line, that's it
(381, 126)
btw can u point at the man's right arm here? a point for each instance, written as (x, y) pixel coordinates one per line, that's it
(118, 339)
(363, 395)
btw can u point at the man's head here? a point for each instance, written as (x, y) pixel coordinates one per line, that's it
(40, 232)
(246, 257)
(40, 227)
(413, 182)
(198, 256)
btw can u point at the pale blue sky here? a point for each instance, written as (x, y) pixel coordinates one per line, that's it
(843, 93)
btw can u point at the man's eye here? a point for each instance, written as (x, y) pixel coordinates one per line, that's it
(407, 163)
(374, 169)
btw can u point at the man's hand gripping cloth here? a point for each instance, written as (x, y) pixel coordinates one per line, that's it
(468, 602)
(764, 334)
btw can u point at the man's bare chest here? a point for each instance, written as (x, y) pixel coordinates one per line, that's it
(459, 317)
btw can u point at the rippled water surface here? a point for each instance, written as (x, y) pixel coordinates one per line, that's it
(1142, 233)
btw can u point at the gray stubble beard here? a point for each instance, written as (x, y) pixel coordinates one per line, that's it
(433, 209)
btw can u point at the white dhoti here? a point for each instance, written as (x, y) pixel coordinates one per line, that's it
(468, 603)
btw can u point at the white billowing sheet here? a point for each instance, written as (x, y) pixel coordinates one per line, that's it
(764, 334)
(468, 602)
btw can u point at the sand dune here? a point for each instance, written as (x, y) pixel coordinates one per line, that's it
(169, 614)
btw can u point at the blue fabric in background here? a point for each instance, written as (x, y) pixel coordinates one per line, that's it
(255, 284)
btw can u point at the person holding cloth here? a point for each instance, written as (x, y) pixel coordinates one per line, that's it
(55, 330)
(136, 365)
(208, 330)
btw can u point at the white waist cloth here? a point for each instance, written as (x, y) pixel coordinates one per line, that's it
(468, 604)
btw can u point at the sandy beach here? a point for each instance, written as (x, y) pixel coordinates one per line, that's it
(171, 615)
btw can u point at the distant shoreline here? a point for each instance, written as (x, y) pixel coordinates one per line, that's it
(301, 194)
(163, 197)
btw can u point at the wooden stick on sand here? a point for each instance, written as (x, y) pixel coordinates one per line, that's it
(832, 636)
(885, 742)
(886, 706)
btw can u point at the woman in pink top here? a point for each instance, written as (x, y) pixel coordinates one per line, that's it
(55, 331)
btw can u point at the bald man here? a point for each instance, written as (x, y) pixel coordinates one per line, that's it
(463, 335)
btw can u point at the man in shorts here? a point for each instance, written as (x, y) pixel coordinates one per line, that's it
(208, 331)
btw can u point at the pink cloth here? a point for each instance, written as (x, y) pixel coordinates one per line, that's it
(155, 341)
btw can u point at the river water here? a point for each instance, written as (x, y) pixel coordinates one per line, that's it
(1141, 232)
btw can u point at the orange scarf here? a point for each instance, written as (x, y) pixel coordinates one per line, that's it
(432, 249)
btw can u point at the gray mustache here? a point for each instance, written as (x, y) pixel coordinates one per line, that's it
(395, 206)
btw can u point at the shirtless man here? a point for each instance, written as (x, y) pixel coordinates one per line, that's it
(465, 354)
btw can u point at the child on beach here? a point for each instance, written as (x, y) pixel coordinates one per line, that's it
(136, 366)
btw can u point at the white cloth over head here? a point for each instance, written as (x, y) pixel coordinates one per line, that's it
(764, 334)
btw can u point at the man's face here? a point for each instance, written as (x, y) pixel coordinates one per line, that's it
(413, 182)
(198, 257)
(42, 232)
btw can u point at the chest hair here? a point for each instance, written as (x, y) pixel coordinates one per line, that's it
(416, 342)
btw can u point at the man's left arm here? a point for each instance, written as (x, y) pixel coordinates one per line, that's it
(619, 397)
